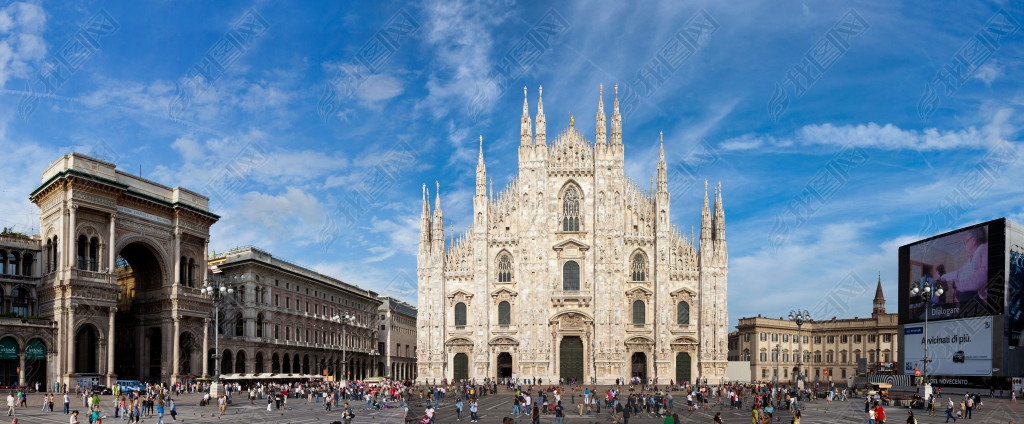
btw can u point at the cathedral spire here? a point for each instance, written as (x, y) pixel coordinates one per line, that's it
(481, 171)
(616, 120)
(542, 131)
(438, 221)
(425, 217)
(602, 139)
(662, 169)
(719, 222)
(526, 126)
(705, 220)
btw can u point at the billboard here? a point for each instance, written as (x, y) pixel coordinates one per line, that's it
(1015, 292)
(967, 264)
(959, 347)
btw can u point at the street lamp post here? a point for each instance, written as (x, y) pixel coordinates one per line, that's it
(924, 287)
(217, 289)
(800, 317)
(344, 319)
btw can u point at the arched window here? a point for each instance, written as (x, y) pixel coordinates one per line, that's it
(239, 326)
(183, 271)
(15, 262)
(3, 262)
(639, 312)
(505, 268)
(26, 265)
(460, 314)
(83, 246)
(571, 210)
(21, 302)
(683, 313)
(191, 272)
(94, 249)
(639, 267)
(571, 276)
(504, 313)
(259, 325)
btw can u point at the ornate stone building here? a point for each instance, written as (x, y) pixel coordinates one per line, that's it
(26, 340)
(831, 346)
(572, 271)
(283, 321)
(121, 263)
(397, 338)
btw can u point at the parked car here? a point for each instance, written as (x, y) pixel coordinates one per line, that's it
(101, 390)
(958, 356)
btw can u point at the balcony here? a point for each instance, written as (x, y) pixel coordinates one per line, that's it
(93, 276)
(572, 297)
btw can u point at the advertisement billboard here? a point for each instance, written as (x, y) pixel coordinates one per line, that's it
(967, 265)
(960, 347)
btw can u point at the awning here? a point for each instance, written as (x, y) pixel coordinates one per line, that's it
(8, 348)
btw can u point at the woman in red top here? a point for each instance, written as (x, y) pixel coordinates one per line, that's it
(879, 415)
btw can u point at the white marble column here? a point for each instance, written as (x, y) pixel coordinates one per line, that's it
(71, 340)
(175, 365)
(71, 255)
(110, 347)
(177, 258)
(206, 345)
(112, 245)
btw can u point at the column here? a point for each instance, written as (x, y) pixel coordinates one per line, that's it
(177, 257)
(70, 255)
(21, 368)
(206, 345)
(203, 263)
(112, 245)
(175, 365)
(71, 340)
(111, 377)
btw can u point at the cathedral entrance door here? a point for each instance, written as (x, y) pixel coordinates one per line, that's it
(639, 364)
(570, 355)
(504, 365)
(682, 367)
(460, 367)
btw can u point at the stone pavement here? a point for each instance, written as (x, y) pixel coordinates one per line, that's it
(494, 407)
(297, 411)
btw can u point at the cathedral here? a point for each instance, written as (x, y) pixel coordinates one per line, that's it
(572, 272)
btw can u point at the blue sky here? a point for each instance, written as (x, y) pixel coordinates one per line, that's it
(902, 121)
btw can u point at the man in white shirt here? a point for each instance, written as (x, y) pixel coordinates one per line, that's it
(430, 413)
(10, 404)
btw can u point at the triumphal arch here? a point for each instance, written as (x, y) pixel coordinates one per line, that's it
(123, 259)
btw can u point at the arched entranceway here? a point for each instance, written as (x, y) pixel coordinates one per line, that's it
(227, 362)
(504, 365)
(638, 366)
(87, 349)
(682, 367)
(259, 363)
(570, 357)
(138, 352)
(9, 362)
(240, 362)
(35, 362)
(460, 367)
(186, 344)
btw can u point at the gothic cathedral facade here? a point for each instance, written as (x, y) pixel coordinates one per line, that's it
(573, 273)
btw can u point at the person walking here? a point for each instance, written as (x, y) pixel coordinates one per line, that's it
(535, 414)
(473, 407)
(879, 414)
(174, 410)
(67, 403)
(970, 407)
(347, 414)
(160, 412)
(949, 409)
(10, 404)
(222, 403)
(458, 409)
(559, 413)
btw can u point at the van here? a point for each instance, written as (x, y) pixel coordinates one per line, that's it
(129, 385)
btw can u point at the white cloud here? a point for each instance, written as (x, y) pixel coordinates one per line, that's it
(21, 42)
(377, 88)
(872, 135)
(988, 72)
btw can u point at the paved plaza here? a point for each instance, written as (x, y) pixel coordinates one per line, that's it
(494, 407)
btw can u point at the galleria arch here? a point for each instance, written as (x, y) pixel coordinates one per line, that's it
(119, 270)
